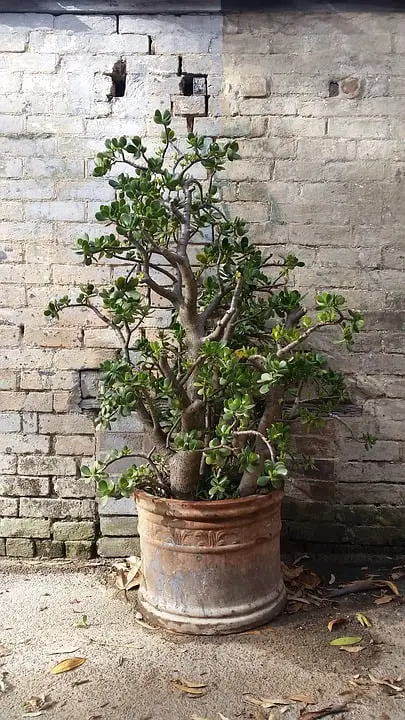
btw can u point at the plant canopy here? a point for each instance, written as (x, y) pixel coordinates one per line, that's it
(222, 388)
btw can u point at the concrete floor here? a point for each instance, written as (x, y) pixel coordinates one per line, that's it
(129, 669)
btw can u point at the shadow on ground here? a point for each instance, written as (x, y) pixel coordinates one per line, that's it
(129, 668)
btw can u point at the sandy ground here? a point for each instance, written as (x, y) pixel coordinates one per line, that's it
(129, 669)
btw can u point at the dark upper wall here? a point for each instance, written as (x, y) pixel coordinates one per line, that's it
(105, 7)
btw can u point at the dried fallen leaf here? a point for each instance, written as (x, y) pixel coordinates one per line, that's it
(334, 622)
(302, 698)
(4, 651)
(222, 717)
(384, 600)
(363, 620)
(196, 691)
(316, 714)
(385, 681)
(120, 579)
(309, 579)
(345, 641)
(198, 717)
(191, 683)
(36, 703)
(363, 586)
(83, 623)
(332, 579)
(391, 586)
(68, 664)
(266, 703)
(356, 649)
(3, 681)
(144, 624)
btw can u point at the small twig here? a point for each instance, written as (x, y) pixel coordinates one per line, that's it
(257, 434)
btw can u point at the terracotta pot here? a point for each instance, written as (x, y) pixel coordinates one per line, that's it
(210, 567)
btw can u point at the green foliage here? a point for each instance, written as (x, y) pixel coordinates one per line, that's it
(233, 375)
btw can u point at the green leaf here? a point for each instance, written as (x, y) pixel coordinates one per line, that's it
(345, 641)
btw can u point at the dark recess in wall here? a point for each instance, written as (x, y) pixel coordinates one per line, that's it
(133, 7)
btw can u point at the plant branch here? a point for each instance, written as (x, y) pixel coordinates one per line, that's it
(257, 434)
(293, 344)
(221, 325)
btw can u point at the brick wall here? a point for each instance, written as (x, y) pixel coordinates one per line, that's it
(316, 102)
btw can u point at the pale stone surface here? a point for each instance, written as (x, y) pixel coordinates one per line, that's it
(81, 549)
(119, 525)
(24, 527)
(73, 531)
(118, 546)
(20, 547)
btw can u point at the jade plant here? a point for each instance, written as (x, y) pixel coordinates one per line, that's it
(223, 388)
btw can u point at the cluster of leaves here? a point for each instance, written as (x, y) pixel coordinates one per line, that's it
(232, 375)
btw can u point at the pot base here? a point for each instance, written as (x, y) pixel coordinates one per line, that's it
(225, 625)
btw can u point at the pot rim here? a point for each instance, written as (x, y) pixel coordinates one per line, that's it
(208, 508)
(143, 495)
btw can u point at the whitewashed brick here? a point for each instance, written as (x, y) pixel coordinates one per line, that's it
(74, 445)
(29, 62)
(10, 167)
(8, 507)
(46, 465)
(105, 25)
(24, 527)
(23, 486)
(8, 381)
(10, 422)
(70, 487)
(48, 380)
(56, 210)
(70, 423)
(25, 21)
(55, 508)
(53, 167)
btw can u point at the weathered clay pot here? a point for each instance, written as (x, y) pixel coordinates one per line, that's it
(210, 567)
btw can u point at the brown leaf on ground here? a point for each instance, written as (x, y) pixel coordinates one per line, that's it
(187, 689)
(363, 586)
(264, 702)
(309, 579)
(302, 698)
(334, 622)
(191, 683)
(316, 714)
(388, 682)
(67, 665)
(37, 703)
(356, 649)
(120, 579)
(4, 651)
(384, 599)
(291, 573)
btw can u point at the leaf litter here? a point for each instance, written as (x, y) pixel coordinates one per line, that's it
(34, 706)
(128, 574)
(317, 714)
(190, 687)
(67, 665)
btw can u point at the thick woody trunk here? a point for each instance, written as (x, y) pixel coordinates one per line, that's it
(184, 474)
